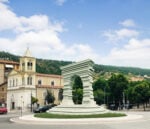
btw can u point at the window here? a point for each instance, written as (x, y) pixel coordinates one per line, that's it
(16, 82)
(13, 82)
(29, 64)
(23, 81)
(29, 80)
(2, 89)
(23, 66)
(52, 83)
(39, 82)
(10, 83)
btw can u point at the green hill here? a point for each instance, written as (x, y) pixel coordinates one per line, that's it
(53, 66)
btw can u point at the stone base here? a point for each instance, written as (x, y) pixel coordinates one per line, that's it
(78, 109)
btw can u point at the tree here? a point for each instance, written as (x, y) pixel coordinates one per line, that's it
(34, 100)
(142, 93)
(118, 84)
(77, 90)
(49, 98)
(99, 96)
(100, 84)
(101, 90)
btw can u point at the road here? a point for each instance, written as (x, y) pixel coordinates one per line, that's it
(143, 123)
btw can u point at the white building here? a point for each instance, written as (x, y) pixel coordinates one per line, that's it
(21, 83)
(25, 82)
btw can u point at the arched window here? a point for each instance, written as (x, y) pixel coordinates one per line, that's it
(29, 80)
(39, 82)
(52, 83)
(29, 65)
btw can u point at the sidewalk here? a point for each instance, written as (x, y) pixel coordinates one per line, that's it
(30, 119)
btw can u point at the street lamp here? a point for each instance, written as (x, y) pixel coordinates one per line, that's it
(31, 101)
(21, 104)
(123, 100)
(104, 94)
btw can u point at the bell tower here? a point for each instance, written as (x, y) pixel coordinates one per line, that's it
(27, 62)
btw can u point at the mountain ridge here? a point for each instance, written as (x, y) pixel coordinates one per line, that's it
(48, 66)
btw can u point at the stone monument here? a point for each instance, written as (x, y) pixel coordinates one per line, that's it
(83, 69)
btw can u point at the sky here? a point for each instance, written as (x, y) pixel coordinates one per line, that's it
(110, 32)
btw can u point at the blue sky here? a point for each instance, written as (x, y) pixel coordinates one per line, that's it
(111, 32)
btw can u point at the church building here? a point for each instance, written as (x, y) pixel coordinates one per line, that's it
(25, 83)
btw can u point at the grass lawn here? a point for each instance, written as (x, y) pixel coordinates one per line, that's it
(105, 115)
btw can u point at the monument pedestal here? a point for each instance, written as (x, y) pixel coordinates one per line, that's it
(78, 109)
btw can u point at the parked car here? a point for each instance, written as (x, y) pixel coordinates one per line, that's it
(128, 106)
(3, 110)
(43, 108)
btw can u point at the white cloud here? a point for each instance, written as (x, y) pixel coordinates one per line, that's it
(42, 35)
(60, 2)
(134, 53)
(8, 19)
(4, 1)
(128, 23)
(115, 35)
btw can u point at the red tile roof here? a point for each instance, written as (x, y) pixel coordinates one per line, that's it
(8, 62)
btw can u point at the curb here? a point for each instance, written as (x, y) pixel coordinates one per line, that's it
(30, 119)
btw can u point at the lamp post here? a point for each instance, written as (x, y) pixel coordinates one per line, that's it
(31, 101)
(123, 101)
(21, 105)
(104, 95)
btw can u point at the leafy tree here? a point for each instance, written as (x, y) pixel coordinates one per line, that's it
(99, 96)
(49, 98)
(34, 100)
(142, 93)
(118, 84)
(77, 90)
(101, 90)
(100, 84)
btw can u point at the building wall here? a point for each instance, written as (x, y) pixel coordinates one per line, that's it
(2, 67)
(20, 89)
(5, 67)
(42, 94)
(48, 79)
(21, 99)
(48, 82)
(3, 93)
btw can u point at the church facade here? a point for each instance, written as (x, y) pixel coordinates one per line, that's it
(25, 83)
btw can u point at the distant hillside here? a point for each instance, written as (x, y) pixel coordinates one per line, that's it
(124, 70)
(53, 66)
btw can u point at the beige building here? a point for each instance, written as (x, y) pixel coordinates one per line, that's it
(52, 83)
(25, 82)
(5, 67)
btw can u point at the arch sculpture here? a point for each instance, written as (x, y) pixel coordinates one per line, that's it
(83, 69)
